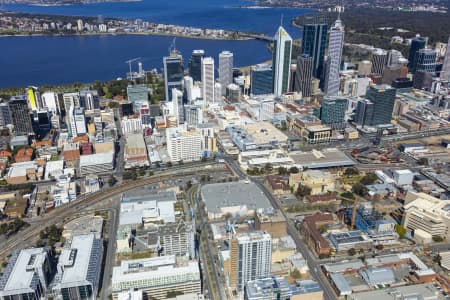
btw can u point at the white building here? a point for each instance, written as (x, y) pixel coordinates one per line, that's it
(131, 125)
(261, 108)
(156, 276)
(184, 145)
(281, 61)
(445, 74)
(208, 80)
(193, 115)
(97, 163)
(79, 267)
(50, 101)
(427, 213)
(252, 257)
(80, 121)
(225, 69)
(71, 99)
(335, 47)
(188, 86)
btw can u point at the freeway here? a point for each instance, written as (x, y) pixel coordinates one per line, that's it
(57, 216)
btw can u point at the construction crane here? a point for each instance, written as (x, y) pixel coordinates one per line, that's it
(129, 62)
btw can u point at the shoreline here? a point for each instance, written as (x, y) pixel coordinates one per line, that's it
(242, 38)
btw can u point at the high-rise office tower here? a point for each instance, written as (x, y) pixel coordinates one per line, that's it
(137, 93)
(335, 47)
(89, 99)
(261, 80)
(332, 112)
(195, 64)
(445, 73)
(379, 61)
(281, 61)
(364, 113)
(250, 257)
(383, 99)
(188, 86)
(304, 75)
(314, 41)
(426, 60)
(225, 69)
(80, 121)
(34, 98)
(207, 80)
(51, 102)
(173, 73)
(20, 115)
(417, 43)
(5, 115)
(71, 99)
(178, 105)
(41, 122)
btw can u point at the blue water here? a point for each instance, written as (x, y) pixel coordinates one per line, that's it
(55, 60)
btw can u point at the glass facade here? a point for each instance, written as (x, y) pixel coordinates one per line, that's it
(314, 42)
(383, 99)
(261, 80)
(416, 44)
(173, 74)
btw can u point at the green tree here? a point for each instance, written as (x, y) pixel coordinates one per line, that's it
(302, 190)
(112, 180)
(294, 170)
(351, 251)
(351, 171)
(438, 239)
(173, 294)
(400, 230)
(295, 274)
(348, 195)
(369, 178)
(359, 189)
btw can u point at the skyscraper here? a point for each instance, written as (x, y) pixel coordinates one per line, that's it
(250, 257)
(445, 74)
(173, 73)
(304, 75)
(207, 80)
(417, 43)
(281, 61)
(195, 64)
(332, 112)
(379, 61)
(336, 45)
(20, 115)
(426, 60)
(89, 99)
(80, 121)
(314, 42)
(364, 112)
(261, 80)
(225, 69)
(383, 99)
(34, 98)
(178, 105)
(5, 114)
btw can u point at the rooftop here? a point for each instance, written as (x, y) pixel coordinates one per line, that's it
(220, 195)
(326, 158)
(96, 159)
(410, 292)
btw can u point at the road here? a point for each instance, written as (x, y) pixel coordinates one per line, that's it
(313, 263)
(30, 235)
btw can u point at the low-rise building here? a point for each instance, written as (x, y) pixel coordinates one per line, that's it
(27, 274)
(97, 163)
(320, 182)
(157, 276)
(272, 221)
(79, 268)
(135, 151)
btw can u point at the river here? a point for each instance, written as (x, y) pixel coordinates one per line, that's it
(40, 60)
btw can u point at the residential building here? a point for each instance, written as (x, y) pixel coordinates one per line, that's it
(281, 61)
(157, 276)
(225, 69)
(184, 145)
(314, 41)
(208, 80)
(304, 75)
(335, 48)
(250, 258)
(79, 268)
(27, 274)
(195, 65)
(173, 73)
(261, 79)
